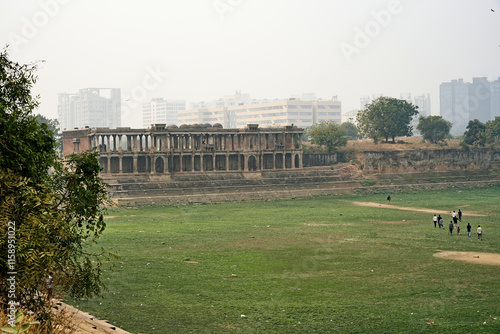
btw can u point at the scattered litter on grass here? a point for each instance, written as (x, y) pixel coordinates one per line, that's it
(243, 316)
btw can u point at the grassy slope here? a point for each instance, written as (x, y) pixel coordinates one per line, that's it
(323, 266)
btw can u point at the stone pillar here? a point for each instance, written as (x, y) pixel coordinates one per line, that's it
(201, 163)
(120, 163)
(153, 164)
(120, 149)
(135, 170)
(245, 162)
(284, 159)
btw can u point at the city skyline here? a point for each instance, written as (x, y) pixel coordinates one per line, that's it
(203, 50)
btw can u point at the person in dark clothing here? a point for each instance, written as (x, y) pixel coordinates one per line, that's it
(469, 230)
(440, 221)
(389, 199)
(459, 215)
(451, 227)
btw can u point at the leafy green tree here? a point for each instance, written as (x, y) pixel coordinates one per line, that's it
(328, 134)
(434, 128)
(386, 117)
(53, 126)
(352, 131)
(475, 133)
(492, 131)
(52, 207)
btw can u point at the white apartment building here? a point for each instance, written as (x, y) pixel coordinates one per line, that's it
(92, 107)
(273, 113)
(161, 111)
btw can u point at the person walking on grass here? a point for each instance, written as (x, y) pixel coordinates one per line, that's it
(451, 227)
(458, 230)
(479, 233)
(459, 215)
(468, 229)
(389, 199)
(455, 219)
(440, 222)
(435, 220)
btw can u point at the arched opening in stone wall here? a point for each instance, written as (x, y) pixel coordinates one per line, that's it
(252, 163)
(233, 162)
(186, 163)
(220, 162)
(278, 161)
(176, 163)
(127, 164)
(208, 162)
(114, 165)
(159, 165)
(104, 164)
(141, 164)
(197, 163)
(288, 160)
(297, 161)
(268, 161)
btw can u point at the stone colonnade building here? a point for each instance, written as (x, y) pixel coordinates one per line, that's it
(163, 149)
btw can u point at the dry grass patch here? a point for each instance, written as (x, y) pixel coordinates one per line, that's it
(472, 257)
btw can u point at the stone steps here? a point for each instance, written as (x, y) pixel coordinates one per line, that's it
(278, 184)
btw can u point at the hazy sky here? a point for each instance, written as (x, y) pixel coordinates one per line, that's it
(266, 48)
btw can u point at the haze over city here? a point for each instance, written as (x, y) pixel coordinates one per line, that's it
(202, 50)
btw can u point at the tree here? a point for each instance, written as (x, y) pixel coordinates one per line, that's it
(434, 128)
(492, 131)
(386, 117)
(53, 208)
(475, 133)
(328, 134)
(53, 126)
(352, 131)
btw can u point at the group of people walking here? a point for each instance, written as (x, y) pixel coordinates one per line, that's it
(456, 217)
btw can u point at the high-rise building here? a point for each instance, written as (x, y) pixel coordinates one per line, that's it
(161, 111)
(271, 113)
(461, 102)
(92, 107)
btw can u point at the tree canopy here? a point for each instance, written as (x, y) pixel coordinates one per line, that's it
(475, 133)
(328, 134)
(492, 131)
(352, 131)
(56, 205)
(386, 117)
(434, 128)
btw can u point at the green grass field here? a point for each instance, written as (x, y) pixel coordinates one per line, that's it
(317, 265)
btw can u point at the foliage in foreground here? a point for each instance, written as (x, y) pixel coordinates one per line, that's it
(52, 209)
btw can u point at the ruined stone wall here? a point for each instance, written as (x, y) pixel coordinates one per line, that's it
(319, 159)
(428, 160)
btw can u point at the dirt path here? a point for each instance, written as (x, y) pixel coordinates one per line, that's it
(86, 323)
(473, 257)
(390, 206)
